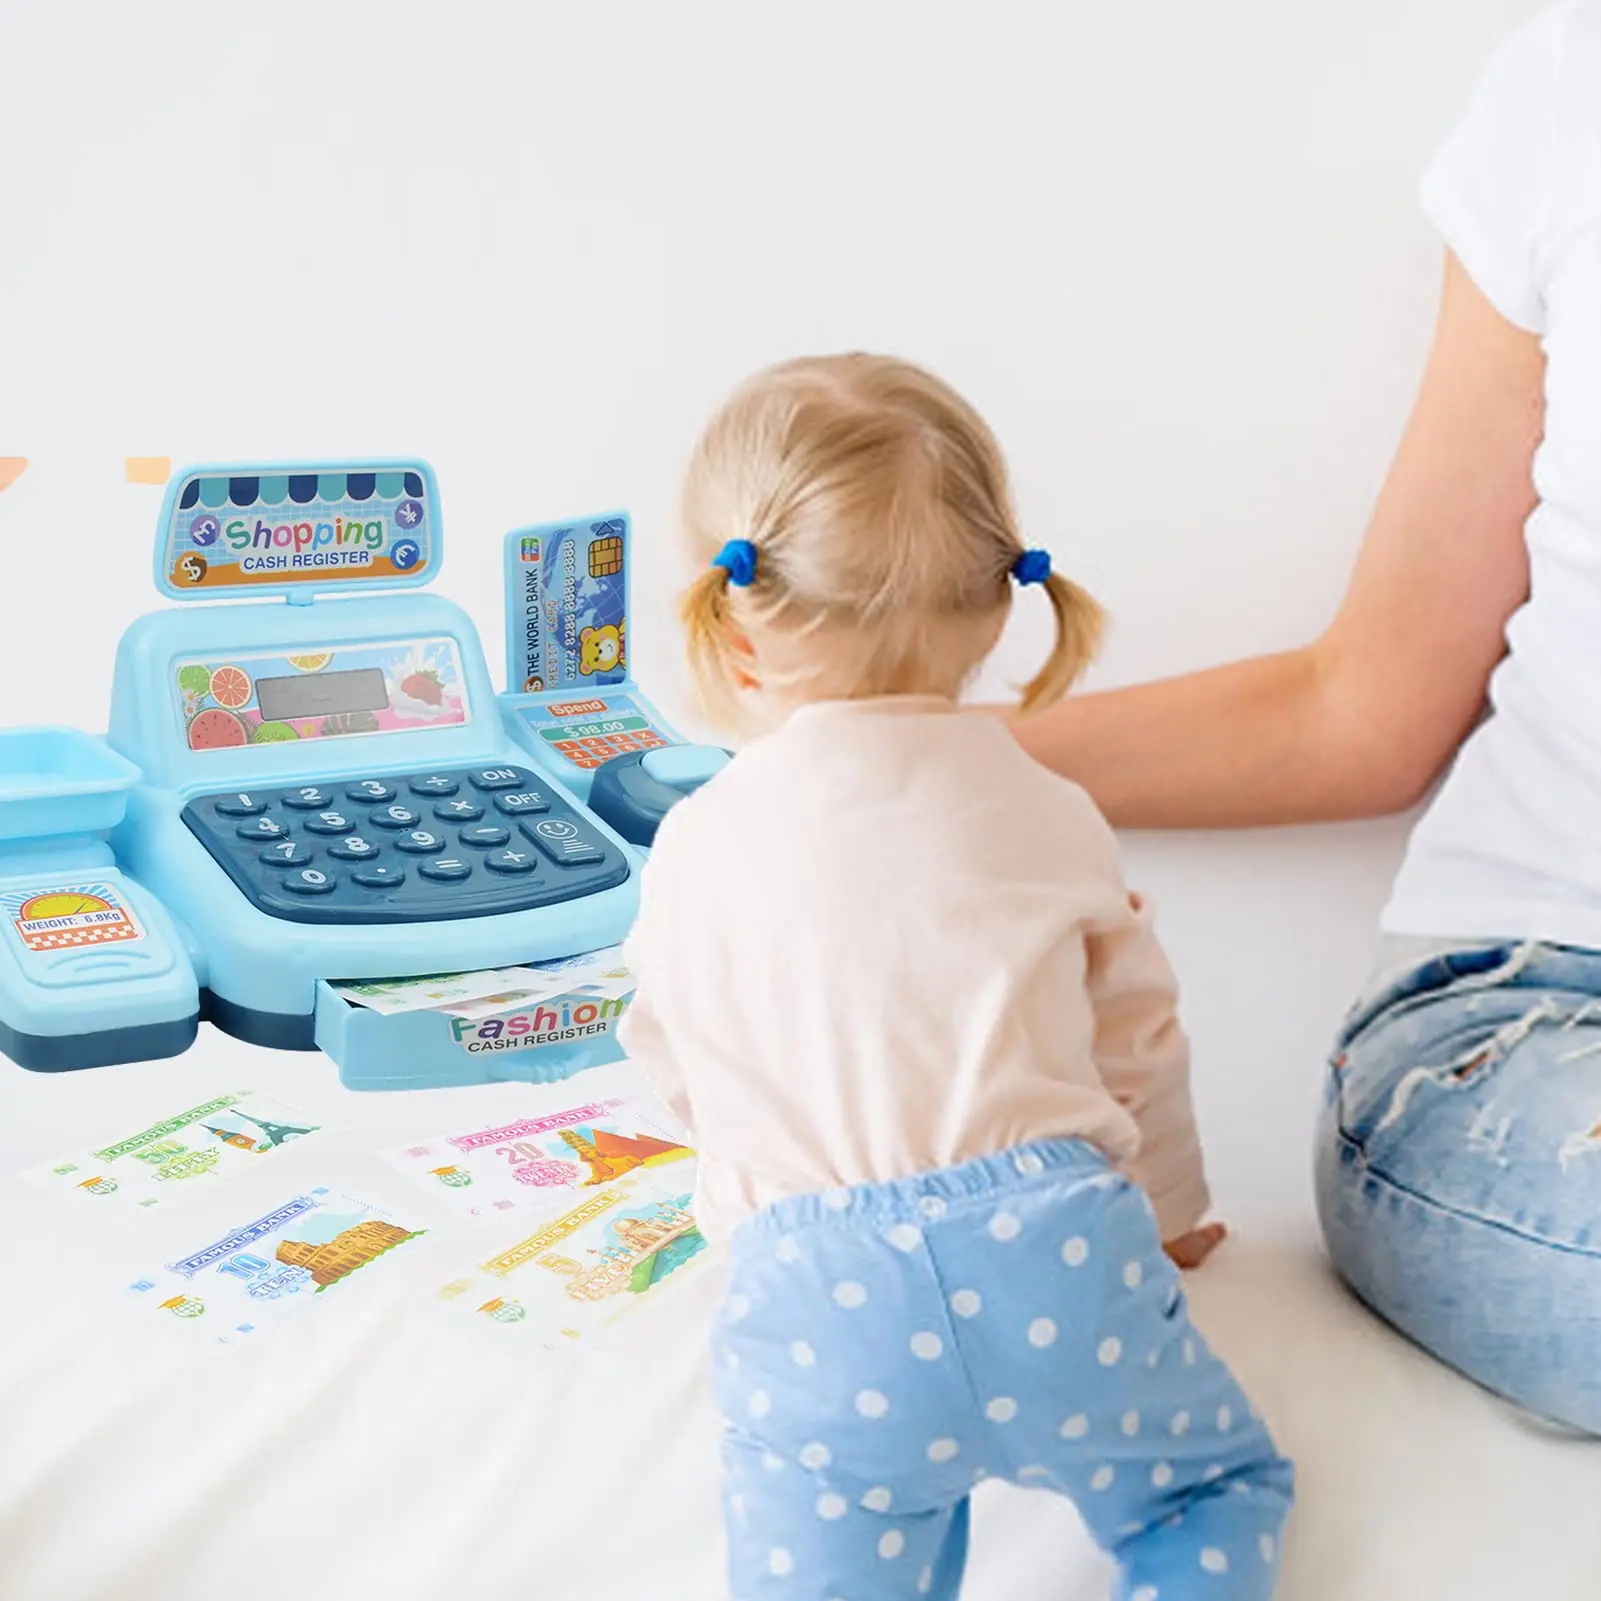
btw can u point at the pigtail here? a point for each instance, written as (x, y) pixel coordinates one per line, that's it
(1079, 624)
(703, 612)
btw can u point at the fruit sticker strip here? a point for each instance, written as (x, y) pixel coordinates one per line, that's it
(537, 1163)
(181, 1154)
(320, 694)
(232, 1282)
(550, 1292)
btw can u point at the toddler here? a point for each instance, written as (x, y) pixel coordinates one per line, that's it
(890, 975)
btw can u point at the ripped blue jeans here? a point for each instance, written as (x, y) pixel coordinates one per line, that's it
(1459, 1167)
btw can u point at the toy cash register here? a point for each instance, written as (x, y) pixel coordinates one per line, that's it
(313, 781)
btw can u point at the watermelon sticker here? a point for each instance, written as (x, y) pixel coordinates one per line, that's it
(71, 915)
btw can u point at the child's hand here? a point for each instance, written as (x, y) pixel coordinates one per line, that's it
(1189, 1251)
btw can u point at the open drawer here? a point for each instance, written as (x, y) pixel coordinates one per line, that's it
(543, 1043)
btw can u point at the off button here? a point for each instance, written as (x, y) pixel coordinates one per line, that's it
(564, 842)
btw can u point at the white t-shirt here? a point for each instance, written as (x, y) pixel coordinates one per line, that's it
(1511, 846)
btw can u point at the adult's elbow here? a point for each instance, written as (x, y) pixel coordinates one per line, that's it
(1386, 752)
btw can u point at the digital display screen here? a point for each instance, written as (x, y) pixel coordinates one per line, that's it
(360, 689)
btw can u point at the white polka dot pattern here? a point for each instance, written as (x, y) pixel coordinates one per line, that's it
(911, 1332)
(872, 1403)
(1005, 1227)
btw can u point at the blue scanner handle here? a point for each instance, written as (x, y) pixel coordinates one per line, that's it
(635, 792)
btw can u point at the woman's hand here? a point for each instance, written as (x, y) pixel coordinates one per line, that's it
(1190, 1250)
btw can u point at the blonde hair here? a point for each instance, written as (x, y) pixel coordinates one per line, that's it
(878, 503)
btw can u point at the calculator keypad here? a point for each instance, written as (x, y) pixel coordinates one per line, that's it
(416, 847)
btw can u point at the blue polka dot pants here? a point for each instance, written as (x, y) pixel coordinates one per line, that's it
(883, 1349)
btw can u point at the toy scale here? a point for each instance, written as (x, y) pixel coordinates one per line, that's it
(314, 781)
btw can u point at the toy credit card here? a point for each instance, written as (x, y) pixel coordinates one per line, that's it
(540, 1163)
(229, 1283)
(179, 1154)
(567, 604)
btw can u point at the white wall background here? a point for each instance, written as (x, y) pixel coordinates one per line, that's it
(1170, 249)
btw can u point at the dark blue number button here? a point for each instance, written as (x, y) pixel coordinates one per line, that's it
(434, 785)
(396, 816)
(378, 876)
(310, 881)
(240, 805)
(286, 853)
(458, 811)
(309, 799)
(420, 843)
(495, 778)
(446, 868)
(370, 791)
(512, 861)
(329, 823)
(522, 803)
(563, 842)
(485, 837)
(262, 828)
(353, 849)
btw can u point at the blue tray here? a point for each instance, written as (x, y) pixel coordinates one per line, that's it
(57, 781)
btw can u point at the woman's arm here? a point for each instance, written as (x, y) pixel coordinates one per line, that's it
(1364, 719)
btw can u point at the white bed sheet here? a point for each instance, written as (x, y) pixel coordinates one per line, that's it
(369, 1451)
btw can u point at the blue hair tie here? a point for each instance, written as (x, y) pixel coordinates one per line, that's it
(1032, 567)
(738, 559)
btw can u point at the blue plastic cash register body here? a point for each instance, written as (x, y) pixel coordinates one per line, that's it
(327, 790)
(312, 780)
